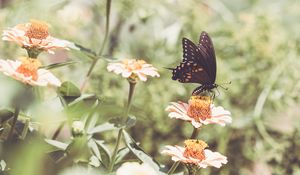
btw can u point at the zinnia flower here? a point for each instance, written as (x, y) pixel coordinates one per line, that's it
(27, 71)
(34, 37)
(134, 168)
(194, 152)
(198, 111)
(133, 69)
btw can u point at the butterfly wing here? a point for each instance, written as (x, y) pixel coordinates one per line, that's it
(208, 56)
(191, 69)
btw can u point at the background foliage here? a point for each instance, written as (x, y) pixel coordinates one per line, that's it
(257, 47)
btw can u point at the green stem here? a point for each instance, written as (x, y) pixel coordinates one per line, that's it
(195, 133)
(175, 165)
(15, 118)
(108, 5)
(130, 95)
(173, 168)
(113, 158)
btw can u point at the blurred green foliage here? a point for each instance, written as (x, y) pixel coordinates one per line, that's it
(257, 47)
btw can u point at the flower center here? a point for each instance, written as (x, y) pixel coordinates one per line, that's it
(199, 107)
(37, 29)
(29, 67)
(195, 149)
(132, 65)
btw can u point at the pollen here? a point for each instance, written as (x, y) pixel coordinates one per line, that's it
(29, 67)
(195, 149)
(37, 30)
(199, 107)
(133, 65)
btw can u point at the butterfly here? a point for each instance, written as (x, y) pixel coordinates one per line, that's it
(198, 64)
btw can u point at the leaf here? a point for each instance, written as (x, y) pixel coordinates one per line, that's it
(104, 152)
(104, 127)
(68, 89)
(121, 154)
(88, 51)
(57, 144)
(57, 65)
(92, 144)
(139, 153)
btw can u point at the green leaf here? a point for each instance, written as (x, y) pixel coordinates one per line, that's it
(104, 127)
(57, 144)
(139, 152)
(57, 65)
(114, 124)
(67, 88)
(68, 91)
(104, 152)
(85, 50)
(121, 154)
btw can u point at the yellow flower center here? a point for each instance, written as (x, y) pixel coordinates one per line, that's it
(195, 149)
(37, 29)
(199, 107)
(132, 65)
(29, 67)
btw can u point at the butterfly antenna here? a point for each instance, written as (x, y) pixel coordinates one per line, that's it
(225, 88)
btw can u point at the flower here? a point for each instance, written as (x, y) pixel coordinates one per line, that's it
(134, 168)
(34, 36)
(194, 152)
(198, 111)
(133, 69)
(27, 71)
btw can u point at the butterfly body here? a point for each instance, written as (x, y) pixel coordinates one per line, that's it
(198, 64)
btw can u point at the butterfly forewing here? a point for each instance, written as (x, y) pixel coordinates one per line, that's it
(207, 53)
(191, 69)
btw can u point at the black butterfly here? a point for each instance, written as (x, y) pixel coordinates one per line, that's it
(198, 64)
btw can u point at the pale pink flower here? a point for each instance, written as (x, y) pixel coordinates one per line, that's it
(134, 168)
(134, 69)
(34, 35)
(27, 71)
(200, 111)
(195, 153)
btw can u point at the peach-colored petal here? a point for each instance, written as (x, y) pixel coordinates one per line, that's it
(214, 159)
(44, 77)
(218, 115)
(17, 34)
(136, 69)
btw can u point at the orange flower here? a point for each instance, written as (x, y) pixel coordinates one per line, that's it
(194, 152)
(133, 69)
(198, 111)
(27, 71)
(35, 36)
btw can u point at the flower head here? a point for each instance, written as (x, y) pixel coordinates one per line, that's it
(34, 36)
(27, 71)
(133, 69)
(198, 111)
(194, 152)
(134, 168)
